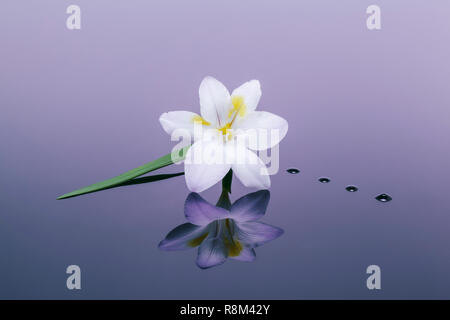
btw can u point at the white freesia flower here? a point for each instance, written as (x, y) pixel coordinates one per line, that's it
(226, 135)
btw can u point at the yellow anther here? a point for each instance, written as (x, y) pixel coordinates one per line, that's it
(200, 120)
(234, 248)
(197, 241)
(238, 106)
(225, 128)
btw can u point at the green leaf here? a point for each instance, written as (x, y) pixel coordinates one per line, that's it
(124, 177)
(147, 179)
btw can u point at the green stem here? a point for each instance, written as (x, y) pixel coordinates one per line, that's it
(224, 199)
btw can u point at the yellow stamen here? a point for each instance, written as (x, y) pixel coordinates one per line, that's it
(233, 246)
(195, 242)
(225, 128)
(200, 120)
(238, 106)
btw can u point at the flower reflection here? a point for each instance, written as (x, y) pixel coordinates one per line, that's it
(222, 231)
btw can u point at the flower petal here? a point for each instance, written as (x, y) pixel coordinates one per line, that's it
(250, 92)
(250, 207)
(257, 233)
(176, 120)
(247, 255)
(215, 101)
(205, 165)
(200, 212)
(250, 169)
(183, 237)
(212, 252)
(264, 130)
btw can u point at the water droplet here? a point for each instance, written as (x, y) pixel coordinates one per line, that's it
(351, 188)
(383, 197)
(324, 180)
(293, 170)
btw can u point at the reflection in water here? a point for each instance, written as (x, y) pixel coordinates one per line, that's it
(223, 231)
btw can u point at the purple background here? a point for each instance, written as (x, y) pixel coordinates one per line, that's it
(369, 108)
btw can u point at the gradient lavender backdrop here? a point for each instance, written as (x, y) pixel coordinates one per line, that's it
(369, 108)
